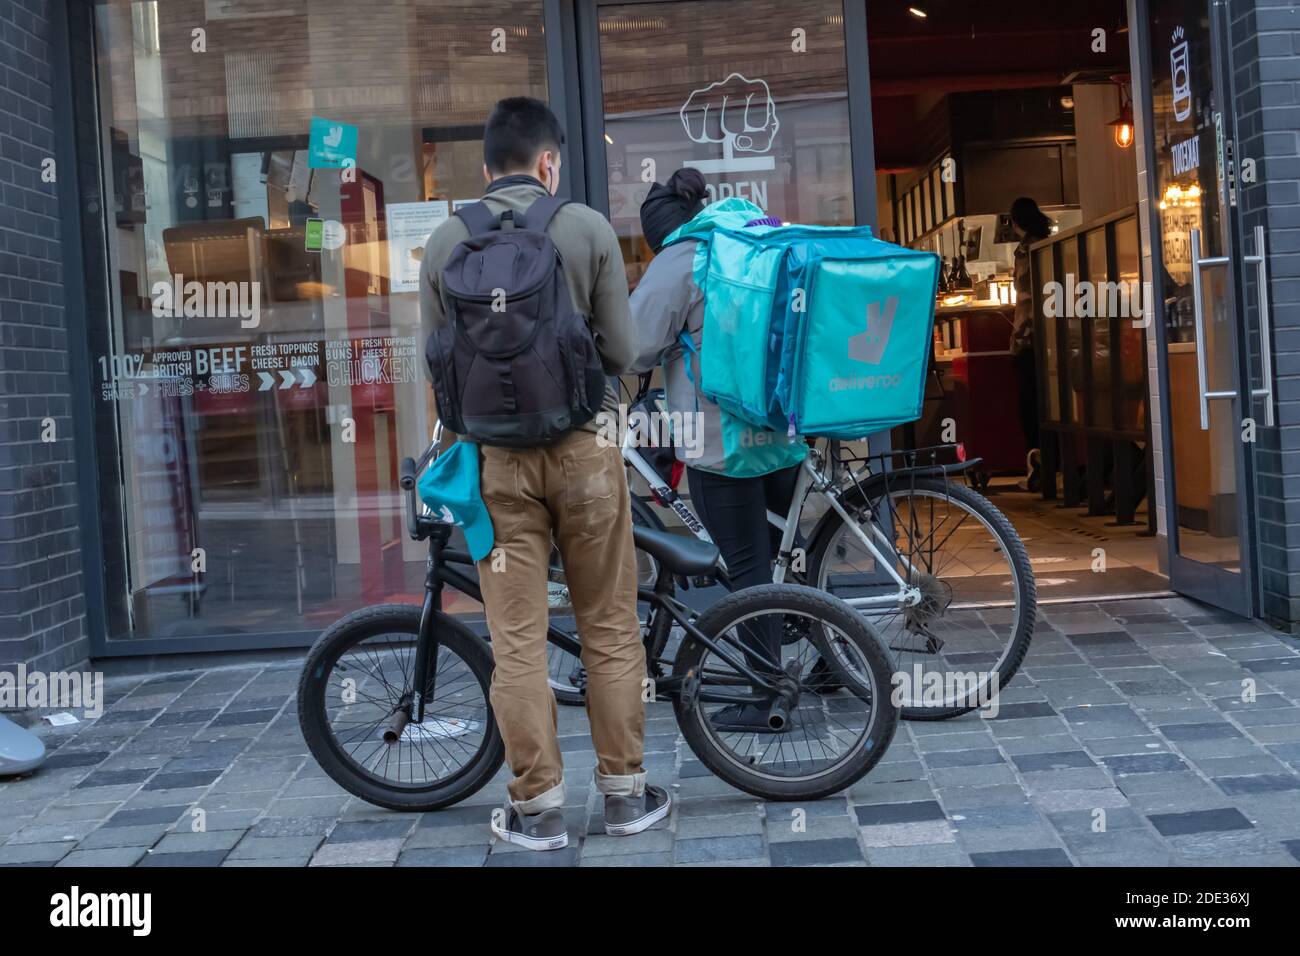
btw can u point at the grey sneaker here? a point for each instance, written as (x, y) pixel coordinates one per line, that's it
(625, 816)
(540, 831)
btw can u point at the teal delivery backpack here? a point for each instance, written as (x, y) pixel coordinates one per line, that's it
(854, 360)
(814, 330)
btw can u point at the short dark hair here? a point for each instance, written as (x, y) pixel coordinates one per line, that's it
(518, 130)
(1026, 214)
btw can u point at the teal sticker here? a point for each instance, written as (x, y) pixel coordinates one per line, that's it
(333, 144)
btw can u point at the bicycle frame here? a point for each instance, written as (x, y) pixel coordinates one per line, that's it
(421, 525)
(664, 493)
(811, 479)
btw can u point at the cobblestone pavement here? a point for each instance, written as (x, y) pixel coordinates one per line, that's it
(1124, 741)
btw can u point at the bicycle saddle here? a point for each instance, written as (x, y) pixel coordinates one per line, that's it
(679, 554)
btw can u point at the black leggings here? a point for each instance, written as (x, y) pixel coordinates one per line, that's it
(734, 511)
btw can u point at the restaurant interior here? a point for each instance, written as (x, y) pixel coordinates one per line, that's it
(973, 107)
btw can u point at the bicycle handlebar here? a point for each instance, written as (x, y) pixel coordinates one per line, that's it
(409, 472)
(407, 475)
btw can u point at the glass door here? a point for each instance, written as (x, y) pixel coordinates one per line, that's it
(1207, 426)
(753, 96)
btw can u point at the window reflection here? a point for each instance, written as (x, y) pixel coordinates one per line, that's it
(274, 169)
(727, 88)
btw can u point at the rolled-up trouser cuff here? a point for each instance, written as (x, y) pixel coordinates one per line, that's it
(549, 800)
(621, 785)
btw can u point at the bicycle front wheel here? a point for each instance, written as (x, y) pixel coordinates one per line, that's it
(358, 675)
(969, 623)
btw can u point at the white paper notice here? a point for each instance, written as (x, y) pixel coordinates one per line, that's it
(249, 186)
(409, 226)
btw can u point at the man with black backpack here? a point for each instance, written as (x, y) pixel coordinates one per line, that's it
(525, 307)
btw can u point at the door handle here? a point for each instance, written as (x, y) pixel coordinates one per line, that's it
(1260, 261)
(1198, 316)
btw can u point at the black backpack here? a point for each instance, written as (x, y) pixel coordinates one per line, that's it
(515, 363)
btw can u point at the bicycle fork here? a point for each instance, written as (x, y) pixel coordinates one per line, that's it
(809, 479)
(410, 708)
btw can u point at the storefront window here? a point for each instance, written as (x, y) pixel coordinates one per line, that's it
(1045, 273)
(273, 170)
(1100, 415)
(1073, 335)
(754, 95)
(1132, 337)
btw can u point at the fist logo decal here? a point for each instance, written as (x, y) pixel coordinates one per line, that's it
(740, 114)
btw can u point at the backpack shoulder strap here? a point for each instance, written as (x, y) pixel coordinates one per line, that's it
(478, 218)
(542, 211)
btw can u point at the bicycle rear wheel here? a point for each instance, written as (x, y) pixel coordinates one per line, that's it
(833, 722)
(972, 627)
(357, 675)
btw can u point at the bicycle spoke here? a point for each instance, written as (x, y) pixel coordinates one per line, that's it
(959, 566)
(813, 741)
(381, 670)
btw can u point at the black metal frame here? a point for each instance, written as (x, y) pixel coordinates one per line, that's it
(77, 312)
(660, 598)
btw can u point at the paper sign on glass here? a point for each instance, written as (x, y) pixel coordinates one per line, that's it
(409, 226)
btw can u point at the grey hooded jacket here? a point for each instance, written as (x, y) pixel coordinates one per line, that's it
(666, 302)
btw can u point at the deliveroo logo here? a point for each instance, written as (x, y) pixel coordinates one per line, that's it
(869, 346)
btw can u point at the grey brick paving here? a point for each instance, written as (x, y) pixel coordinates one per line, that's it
(1125, 741)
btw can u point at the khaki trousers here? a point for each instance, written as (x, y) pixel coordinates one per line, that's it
(576, 492)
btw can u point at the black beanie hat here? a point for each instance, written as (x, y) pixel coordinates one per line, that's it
(668, 206)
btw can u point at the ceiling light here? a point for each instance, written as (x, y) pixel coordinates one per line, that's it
(917, 12)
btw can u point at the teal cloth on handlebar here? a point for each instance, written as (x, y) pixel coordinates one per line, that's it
(449, 486)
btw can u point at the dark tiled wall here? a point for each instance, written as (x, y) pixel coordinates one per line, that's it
(42, 603)
(1265, 36)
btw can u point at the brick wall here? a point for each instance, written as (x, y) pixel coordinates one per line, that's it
(42, 607)
(1265, 36)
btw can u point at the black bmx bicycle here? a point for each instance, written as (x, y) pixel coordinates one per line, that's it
(393, 700)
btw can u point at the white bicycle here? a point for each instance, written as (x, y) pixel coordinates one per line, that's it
(937, 569)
